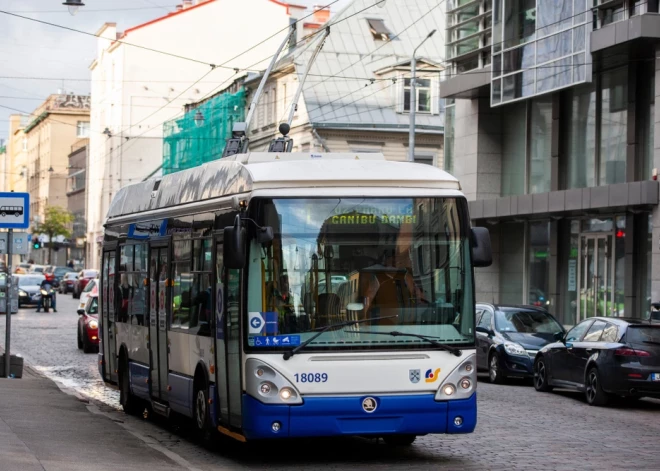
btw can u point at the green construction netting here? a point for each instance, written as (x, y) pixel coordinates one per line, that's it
(187, 143)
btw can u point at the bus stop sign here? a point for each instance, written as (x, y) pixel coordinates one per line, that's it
(14, 210)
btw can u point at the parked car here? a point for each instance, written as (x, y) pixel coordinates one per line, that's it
(88, 325)
(84, 277)
(40, 269)
(91, 289)
(67, 282)
(604, 357)
(22, 268)
(55, 274)
(28, 288)
(509, 337)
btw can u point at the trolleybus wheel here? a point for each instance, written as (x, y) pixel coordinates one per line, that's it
(129, 402)
(201, 414)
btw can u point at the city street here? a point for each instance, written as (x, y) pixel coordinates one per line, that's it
(518, 428)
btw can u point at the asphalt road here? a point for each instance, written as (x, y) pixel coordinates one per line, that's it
(518, 427)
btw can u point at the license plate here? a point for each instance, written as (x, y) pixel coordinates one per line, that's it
(655, 376)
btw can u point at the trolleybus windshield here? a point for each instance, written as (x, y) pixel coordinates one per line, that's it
(405, 261)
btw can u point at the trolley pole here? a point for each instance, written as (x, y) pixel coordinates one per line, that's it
(10, 240)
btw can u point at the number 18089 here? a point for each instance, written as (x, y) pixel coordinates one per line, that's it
(311, 377)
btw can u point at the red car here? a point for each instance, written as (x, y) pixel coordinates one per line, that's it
(84, 277)
(68, 280)
(88, 325)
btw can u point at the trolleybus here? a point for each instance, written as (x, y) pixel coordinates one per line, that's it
(272, 295)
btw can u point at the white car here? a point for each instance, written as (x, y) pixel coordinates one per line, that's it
(90, 289)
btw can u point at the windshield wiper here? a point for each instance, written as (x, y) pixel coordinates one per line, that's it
(431, 340)
(322, 330)
(652, 342)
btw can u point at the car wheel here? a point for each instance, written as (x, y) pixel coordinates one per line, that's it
(494, 373)
(128, 401)
(593, 391)
(87, 347)
(80, 340)
(541, 376)
(399, 440)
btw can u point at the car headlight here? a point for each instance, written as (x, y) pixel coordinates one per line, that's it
(461, 382)
(93, 325)
(22, 293)
(514, 349)
(267, 385)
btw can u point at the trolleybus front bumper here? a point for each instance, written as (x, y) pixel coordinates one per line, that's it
(333, 416)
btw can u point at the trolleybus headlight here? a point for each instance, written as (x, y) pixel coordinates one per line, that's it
(465, 383)
(449, 389)
(259, 372)
(286, 394)
(469, 367)
(265, 388)
(461, 382)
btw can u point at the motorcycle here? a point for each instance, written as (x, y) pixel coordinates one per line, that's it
(47, 297)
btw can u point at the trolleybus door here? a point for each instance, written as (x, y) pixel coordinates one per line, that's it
(228, 350)
(159, 278)
(108, 318)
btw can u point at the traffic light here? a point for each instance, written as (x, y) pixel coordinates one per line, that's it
(36, 244)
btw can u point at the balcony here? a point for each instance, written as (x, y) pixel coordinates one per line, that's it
(620, 21)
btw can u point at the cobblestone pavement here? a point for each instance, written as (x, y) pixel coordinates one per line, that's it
(518, 428)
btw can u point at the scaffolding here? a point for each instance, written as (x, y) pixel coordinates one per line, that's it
(199, 136)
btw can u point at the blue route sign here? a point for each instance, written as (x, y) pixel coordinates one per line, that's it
(14, 210)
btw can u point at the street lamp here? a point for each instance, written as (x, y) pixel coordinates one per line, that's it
(73, 5)
(413, 100)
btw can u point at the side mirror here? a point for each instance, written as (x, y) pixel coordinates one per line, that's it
(81, 312)
(234, 245)
(483, 330)
(559, 336)
(482, 254)
(265, 235)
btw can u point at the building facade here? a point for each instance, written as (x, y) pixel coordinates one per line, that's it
(77, 199)
(357, 94)
(59, 122)
(552, 131)
(17, 169)
(137, 89)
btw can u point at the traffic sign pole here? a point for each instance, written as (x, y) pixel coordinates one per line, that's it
(10, 243)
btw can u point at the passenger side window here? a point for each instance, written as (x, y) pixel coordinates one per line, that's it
(595, 331)
(610, 334)
(576, 332)
(485, 320)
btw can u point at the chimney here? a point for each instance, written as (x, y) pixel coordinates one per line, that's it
(179, 7)
(321, 14)
(187, 4)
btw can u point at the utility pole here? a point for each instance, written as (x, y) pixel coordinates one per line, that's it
(413, 100)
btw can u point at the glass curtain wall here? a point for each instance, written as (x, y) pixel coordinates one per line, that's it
(613, 126)
(512, 261)
(538, 266)
(540, 144)
(569, 254)
(450, 123)
(514, 126)
(580, 137)
(646, 120)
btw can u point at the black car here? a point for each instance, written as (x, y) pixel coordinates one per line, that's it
(509, 336)
(56, 274)
(605, 357)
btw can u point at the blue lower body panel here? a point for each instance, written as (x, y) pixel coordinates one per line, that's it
(334, 416)
(139, 379)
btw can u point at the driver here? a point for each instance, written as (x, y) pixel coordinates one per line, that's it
(46, 285)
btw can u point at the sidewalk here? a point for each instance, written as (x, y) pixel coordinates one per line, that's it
(43, 428)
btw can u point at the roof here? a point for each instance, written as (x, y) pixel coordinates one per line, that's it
(263, 170)
(169, 15)
(351, 51)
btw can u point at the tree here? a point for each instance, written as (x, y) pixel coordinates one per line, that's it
(56, 223)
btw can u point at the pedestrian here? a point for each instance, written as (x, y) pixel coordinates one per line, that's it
(70, 264)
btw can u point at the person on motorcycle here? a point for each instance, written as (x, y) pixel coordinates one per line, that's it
(46, 285)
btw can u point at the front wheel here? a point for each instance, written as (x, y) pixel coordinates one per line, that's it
(399, 440)
(46, 304)
(541, 376)
(80, 341)
(202, 415)
(593, 391)
(494, 373)
(128, 401)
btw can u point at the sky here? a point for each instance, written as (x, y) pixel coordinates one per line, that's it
(30, 49)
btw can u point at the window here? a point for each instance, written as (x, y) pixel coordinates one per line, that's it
(610, 334)
(424, 158)
(485, 320)
(576, 333)
(25, 144)
(422, 94)
(450, 119)
(76, 181)
(540, 145)
(82, 129)
(379, 31)
(580, 137)
(613, 126)
(513, 149)
(539, 263)
(132, 279)
(595, 331)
